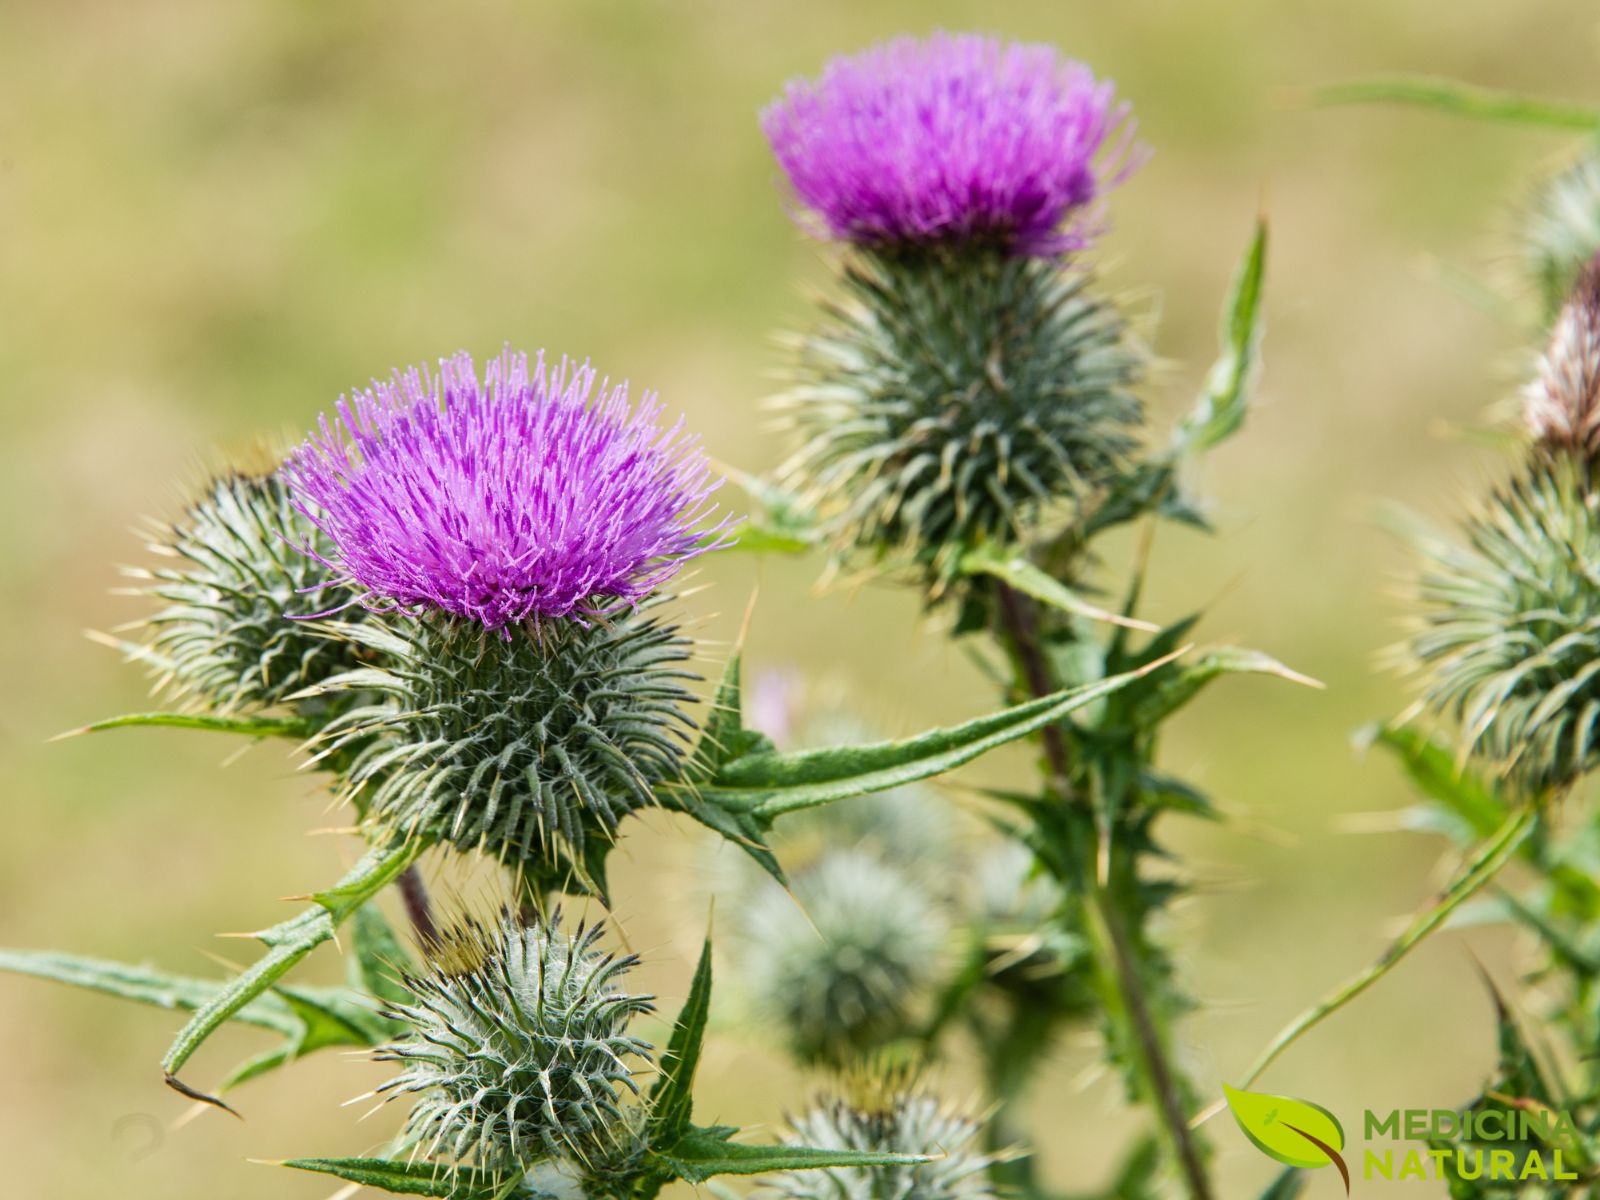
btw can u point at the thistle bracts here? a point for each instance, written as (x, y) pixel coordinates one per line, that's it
(1509, 637)
(1509, 641)
(517, 1050)
(957, 395)
(530, 747)
(908, 1123)
(232, 584)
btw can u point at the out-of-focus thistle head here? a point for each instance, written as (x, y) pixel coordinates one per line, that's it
(952, 139)
(1509, 637)
(531, 749)
(520, 496)
(517, 1052)
(231, 584)
(912, 1123)
(526, 700)
(1561, 228)
(952, 399)
(1562, 405)
(844, 966)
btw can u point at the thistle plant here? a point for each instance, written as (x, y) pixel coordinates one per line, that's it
(967, 417)
(461, 599)
(962, 383)
(455, 600)
(1503, 652)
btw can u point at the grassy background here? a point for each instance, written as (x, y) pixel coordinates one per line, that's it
(219, 216)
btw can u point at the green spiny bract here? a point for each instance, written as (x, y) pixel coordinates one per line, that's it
(530, 746)
(844, 966)
(909, 1124)
(517, 1052)
(1561, 228)
(956, 394)
(1510, 635)
(233, 587)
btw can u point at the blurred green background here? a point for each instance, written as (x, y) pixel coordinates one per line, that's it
(217, 217)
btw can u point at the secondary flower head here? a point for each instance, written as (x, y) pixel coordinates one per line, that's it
(515, 1049)
(1508, 642)
(230, 589)
(955, 138)
(915, 1123)
(523, 495)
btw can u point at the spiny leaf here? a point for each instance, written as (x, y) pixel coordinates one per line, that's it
(1462, 99)
(146, 986)
(334, 1018)
(1284, 1128)
(406, 1178)
(672, 1097)
(768, 784)
(1175, 688)
(724, 737)
(287, 944)
(703, 1153)
(1016, 569)
(1220, 411)
(261, 727)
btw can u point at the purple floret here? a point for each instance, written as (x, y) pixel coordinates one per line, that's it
(955, 138)
(516, 498)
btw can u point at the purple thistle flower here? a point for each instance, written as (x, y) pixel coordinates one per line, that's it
(515, 498)
(957, 137)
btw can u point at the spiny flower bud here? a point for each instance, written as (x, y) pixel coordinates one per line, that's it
(505, 500)
(1509, 638)
(1562, 405)
(232, 587)
(844, 965)
(527, 748)
(914, 1123)
(516, 1052)
(953, 139)
(956, 397)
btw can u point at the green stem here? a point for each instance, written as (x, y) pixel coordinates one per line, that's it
(1495, 852)
(1119, 965)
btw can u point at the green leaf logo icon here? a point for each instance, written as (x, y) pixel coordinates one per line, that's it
(1295, 1132)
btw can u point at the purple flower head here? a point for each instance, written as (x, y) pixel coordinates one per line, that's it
(515, 498)
(954, 138)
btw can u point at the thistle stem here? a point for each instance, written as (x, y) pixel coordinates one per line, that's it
(418, 907)
(1019, 621)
